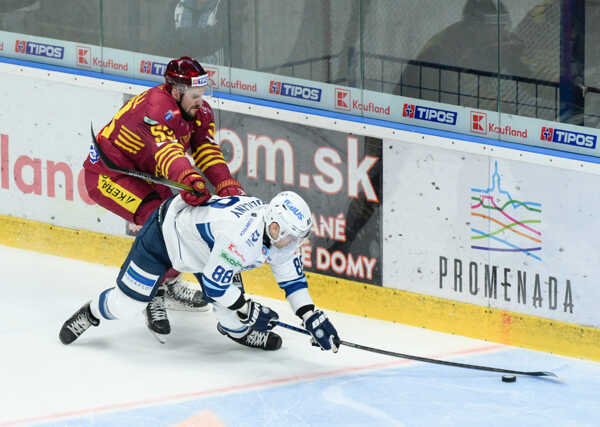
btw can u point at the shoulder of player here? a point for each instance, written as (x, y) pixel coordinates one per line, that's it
(161, 108)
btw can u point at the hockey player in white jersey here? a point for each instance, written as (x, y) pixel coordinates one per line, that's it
(215, 241)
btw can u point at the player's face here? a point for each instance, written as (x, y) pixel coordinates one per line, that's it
(191, 100)
(284, 241)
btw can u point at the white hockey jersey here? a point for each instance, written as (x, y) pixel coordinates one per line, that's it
(224, 237)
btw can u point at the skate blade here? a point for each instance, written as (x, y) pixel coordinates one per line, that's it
(159, 337)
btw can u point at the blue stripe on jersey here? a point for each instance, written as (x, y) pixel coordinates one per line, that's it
(237, 331)
(206, 234)
(104, 311)
(137, 276)
(212, 289)
(292, 286)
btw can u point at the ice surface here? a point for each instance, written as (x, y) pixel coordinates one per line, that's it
(119, 375)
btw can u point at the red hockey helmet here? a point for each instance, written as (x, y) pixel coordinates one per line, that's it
(185, 71)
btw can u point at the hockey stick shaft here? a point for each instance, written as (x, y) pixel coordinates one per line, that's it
(425, 359)
(138, 174)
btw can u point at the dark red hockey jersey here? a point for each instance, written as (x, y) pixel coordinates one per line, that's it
(149, 134)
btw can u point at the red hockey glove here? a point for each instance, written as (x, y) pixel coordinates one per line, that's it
(230, 187)
(194, 180)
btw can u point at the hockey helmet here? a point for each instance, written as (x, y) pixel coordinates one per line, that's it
(292, 213)
(185, 71)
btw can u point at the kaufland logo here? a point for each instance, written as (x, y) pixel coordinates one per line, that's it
(213, 76)
(225, 83)
(152, 67)
(295, 91)
(479, 122)
(481, 126)
(418, 112)
(568, 137)
(83, 56)
(27, 47)
(342, 99)
(344, 102)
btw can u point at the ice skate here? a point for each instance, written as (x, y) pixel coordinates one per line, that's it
(77, 324)
(184, 296)
(265, 340)
(156, 316)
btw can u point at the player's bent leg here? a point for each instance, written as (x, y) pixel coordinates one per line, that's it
(113, 304)
(143, 271)
(230, 325)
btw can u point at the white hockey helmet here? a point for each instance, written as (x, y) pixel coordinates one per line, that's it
(292, 213)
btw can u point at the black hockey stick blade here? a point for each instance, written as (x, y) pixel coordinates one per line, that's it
(138, 174)
(425, 359)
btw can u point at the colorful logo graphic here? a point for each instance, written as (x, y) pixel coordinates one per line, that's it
(430, 114)
(342, 99)
(512, 225)
(479, 122)
(562, 136)
(28, 47)
(152, 67)
(295, 91)
(83, 56)
(213, 76)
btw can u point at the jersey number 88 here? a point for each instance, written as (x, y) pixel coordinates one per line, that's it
(222, 275)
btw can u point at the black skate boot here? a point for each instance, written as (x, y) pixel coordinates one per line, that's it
(266, 340)
(182, 297)
(77, 324)
(156, 316)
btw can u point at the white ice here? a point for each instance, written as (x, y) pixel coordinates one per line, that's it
(119, 375)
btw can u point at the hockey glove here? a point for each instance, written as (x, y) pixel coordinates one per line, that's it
(230, 187)
(193, 179)
(257, 316)
(322, 331)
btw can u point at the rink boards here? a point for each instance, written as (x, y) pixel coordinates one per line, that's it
(472, 237)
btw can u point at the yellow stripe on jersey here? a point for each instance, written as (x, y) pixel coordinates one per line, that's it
(207, 145)
(118, 194)
(132, 135)
(133, 142)
(165, 156)
(209, 161)
(201, 154)
(127, 145)
(170, 160)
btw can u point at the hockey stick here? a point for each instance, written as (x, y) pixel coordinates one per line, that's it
(142, 175)
(425, 359)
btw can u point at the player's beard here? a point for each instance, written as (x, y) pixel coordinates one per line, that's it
(186, 116)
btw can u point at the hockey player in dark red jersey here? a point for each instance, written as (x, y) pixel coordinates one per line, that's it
(152, 133)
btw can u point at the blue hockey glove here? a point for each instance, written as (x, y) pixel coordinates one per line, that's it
(257, 316)
(322, 331)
